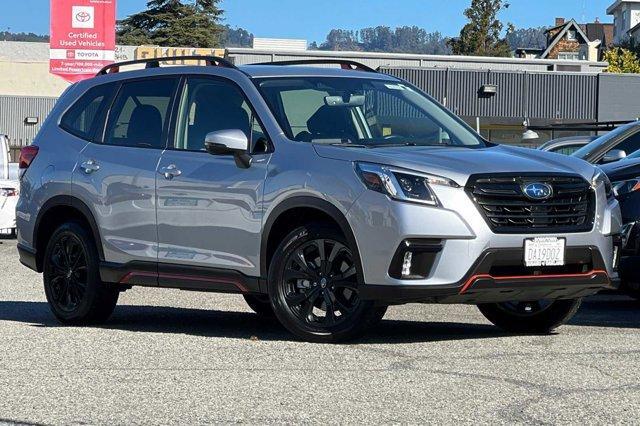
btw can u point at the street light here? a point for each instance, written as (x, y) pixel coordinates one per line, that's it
(529, 134)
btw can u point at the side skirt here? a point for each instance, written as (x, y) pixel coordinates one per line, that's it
(183, 277)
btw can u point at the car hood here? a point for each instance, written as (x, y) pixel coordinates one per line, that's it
(459, 163)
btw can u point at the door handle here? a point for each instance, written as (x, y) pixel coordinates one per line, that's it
(170, 171)
(90, 166)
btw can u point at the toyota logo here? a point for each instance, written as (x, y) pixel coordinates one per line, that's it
(83, 17)
(538, 191)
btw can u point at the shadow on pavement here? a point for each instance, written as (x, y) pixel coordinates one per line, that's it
(212, 323)
(600, 311)
(608, 311)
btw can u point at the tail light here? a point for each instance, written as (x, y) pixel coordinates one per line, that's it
(8, 192)
(27, 154)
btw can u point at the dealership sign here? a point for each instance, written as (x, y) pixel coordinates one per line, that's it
(83, 37)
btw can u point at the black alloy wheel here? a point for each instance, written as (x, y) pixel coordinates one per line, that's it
(66, 272)
(313, 286)
(72, 283)
(320, 285)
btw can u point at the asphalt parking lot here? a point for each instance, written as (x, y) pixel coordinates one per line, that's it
(193, 358)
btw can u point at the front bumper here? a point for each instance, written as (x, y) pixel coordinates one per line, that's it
(380, 226)
(494, 279)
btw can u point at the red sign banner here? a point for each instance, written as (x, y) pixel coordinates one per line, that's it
(83, 37)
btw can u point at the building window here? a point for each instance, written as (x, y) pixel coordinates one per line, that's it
(571, 35)
(569, 56)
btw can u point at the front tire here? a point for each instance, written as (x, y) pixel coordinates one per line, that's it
(313, 287)
(72, 283)
(539, 317)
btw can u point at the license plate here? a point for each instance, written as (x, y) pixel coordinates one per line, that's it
(544, 251)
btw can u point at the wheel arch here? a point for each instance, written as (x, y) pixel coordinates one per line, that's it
(316, 208)
(58, 210)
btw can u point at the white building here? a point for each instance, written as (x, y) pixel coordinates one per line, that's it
(626, 15)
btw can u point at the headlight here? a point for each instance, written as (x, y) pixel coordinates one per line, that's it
(599, 177)
(626, 186)
(400, 184)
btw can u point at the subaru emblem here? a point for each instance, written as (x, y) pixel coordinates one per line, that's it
(537, 191)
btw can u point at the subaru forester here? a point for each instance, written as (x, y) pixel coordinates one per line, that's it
(321, 194)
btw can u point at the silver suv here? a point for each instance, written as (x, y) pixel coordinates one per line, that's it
(322, 195)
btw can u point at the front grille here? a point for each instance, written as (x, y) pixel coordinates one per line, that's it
(507, 210)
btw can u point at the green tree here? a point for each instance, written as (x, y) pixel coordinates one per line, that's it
(528, 37)
(236, 37)
(482, 35)
(384, 39)
(622, 61)
(341, 40)
(193, 23)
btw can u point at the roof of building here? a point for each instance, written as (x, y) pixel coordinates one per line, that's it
(558, 36)
(599, 31)
(617, 4)
(529, 49)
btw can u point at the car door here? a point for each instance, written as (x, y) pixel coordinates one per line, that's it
(117, 176)
(209, 208)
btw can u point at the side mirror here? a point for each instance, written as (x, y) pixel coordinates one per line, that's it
(229, 142)
(613, 155)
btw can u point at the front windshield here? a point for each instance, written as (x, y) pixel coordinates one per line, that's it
(360, 111)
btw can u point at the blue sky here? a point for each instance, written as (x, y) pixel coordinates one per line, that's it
(312, 20)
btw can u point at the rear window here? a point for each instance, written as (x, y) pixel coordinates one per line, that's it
(83, 118)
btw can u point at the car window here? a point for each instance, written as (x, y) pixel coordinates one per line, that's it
(82, 118)
(139, 113)
(382, 115)
(630, 144)
(594, 150)
(210, 105)
(566, 149)
(363, 111)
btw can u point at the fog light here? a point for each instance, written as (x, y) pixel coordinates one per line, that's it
(406, 264)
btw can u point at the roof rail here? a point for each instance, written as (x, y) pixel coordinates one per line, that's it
(345, 64)
(214, 61)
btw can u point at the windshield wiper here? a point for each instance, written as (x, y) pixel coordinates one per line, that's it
(385, 145)
(339, 142)
(351, 145)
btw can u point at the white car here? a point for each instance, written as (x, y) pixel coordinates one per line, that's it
(9, 189)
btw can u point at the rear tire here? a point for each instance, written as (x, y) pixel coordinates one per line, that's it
(530, 317)
(72, 283)
(313, 287)
(260, 304)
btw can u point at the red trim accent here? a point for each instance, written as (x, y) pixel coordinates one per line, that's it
(127, 278)
(130, 275)
(471, 281)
